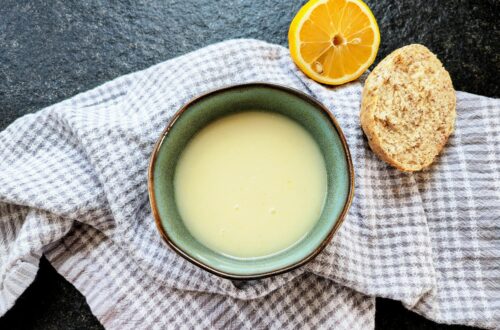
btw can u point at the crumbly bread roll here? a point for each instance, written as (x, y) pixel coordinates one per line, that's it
(408, 108)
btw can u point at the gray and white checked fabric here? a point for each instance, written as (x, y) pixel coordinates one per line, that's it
(73, 187)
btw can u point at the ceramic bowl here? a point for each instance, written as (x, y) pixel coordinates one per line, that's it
(197, 113)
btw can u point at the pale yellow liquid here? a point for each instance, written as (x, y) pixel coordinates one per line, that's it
(250, 184)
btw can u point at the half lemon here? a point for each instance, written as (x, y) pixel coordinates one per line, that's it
(334, 41)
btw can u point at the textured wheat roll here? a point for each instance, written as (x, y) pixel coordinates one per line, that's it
(408, 108)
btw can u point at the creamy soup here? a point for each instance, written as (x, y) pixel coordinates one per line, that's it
(250, 184)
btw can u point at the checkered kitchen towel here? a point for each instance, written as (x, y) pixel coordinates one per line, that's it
(73, 187)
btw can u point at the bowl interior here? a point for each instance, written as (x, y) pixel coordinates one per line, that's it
(260, 97)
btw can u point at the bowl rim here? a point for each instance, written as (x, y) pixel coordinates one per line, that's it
(213, 270)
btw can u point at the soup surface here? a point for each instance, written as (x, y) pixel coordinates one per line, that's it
(250, 184)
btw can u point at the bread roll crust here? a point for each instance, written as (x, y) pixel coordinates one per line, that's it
(408, 108)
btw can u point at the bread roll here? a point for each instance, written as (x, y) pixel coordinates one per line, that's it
(408, 108)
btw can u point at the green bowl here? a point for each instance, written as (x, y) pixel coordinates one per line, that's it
(197, 113)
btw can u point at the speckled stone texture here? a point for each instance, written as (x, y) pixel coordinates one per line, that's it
(51, 50)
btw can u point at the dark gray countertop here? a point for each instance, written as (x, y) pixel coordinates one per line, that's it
(51, 50)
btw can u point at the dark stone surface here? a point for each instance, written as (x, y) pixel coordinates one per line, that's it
(50, 303)
(51, 50)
